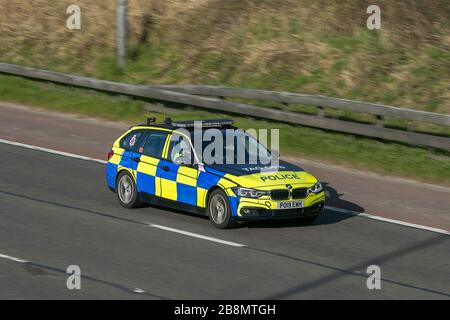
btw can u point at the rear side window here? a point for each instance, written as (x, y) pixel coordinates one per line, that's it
(131, 140)
(154, 143)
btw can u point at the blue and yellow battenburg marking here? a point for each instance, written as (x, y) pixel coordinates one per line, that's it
(165, 179)
(190, 186)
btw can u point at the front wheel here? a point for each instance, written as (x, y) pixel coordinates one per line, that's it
(126, 191)
(219, 210)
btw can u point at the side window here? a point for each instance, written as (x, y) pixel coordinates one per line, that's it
(131, 140)
(154, 144)
(180, 151)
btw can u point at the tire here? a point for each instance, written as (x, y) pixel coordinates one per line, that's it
(126, 191)
(219, 210)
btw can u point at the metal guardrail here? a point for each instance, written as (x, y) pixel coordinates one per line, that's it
(195, 96)
(314, 100)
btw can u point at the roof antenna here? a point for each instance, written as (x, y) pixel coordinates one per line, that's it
(168, 121)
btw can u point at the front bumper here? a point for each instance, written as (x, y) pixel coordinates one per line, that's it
(262, 209)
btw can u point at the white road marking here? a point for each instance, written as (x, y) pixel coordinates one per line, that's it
(196, 235)
(138, 290)
(365, 215)
(60, 153)
(4, 256)
(394, 221)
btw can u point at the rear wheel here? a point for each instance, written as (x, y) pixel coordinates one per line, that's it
(126, 191)
(219, 210)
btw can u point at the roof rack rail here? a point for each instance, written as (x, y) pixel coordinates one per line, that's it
(188, 124)
(204, 123)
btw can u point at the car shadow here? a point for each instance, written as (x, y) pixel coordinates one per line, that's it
(334, 199)
(336, 210)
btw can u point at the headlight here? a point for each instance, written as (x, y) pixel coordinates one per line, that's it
(249, 193)
(317, 188)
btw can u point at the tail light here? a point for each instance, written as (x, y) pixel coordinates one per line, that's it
(110, 154)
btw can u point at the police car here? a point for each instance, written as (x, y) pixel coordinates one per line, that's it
(159, 164)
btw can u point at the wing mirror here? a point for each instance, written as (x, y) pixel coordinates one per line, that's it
(200, 167)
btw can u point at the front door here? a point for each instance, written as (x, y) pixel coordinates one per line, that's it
(178, 176)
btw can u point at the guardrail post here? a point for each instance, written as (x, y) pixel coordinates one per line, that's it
(379, 121)
(121, 32)
(285, 106)
(410, 126)
(320, 111)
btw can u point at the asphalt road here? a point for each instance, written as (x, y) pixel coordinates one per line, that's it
(347, 188)
(55, 211)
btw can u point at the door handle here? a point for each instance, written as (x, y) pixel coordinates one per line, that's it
(166, 168)
(136, 159)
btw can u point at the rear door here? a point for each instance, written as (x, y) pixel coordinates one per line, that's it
(148, 156)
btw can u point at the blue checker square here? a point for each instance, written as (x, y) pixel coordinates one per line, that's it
(206, 180)
(169, 175)
(146, 183)
(134, 164)
(111, 172)
(125, 159)
(234, 202)
(186, 194)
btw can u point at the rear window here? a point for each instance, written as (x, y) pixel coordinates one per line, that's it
(131, 140)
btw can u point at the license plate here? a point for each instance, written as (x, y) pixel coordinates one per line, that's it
(290, 205)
